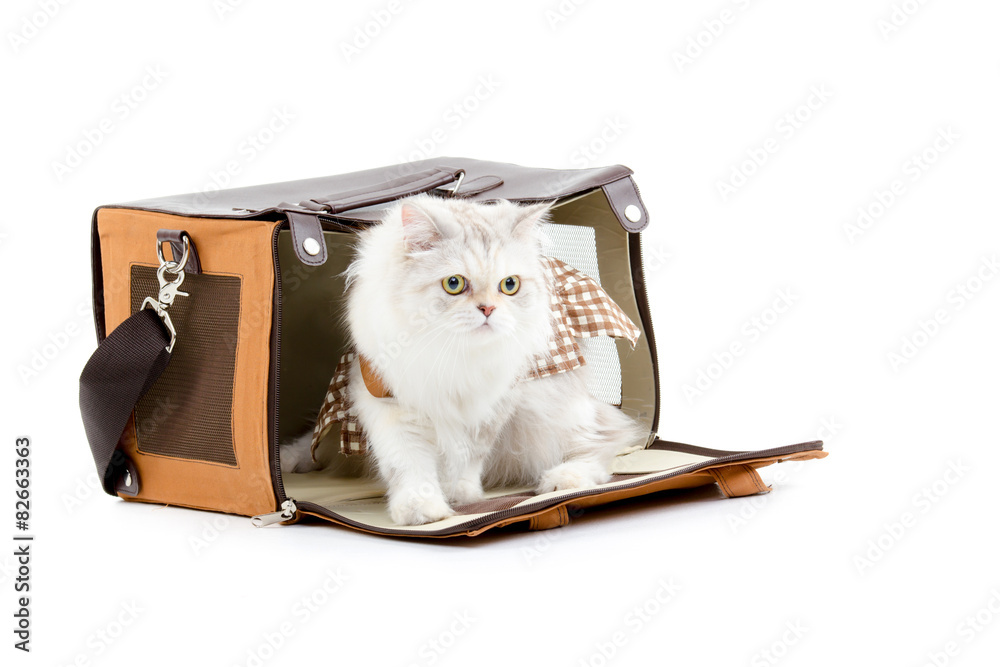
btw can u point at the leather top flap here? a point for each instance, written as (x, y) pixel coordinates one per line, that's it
(484, 181)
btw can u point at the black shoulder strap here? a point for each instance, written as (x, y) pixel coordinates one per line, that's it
(121, 370)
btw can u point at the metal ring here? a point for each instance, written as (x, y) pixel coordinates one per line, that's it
(172, 267)
(177, 266)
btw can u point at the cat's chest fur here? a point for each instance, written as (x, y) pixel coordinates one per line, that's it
(477, 394)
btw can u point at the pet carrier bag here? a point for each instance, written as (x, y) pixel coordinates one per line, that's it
(219, 323)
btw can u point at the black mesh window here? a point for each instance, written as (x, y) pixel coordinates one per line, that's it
(188, 413)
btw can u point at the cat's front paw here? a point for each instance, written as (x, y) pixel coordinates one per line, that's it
(466, 491)
(572, 475)
(418, 506)
(296, 456)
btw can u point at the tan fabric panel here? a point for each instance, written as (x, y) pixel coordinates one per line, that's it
(243, 249)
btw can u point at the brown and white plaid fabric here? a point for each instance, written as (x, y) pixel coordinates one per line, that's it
(336, 409)
(581, 309)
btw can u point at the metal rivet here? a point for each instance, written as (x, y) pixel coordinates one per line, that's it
(633, 213)
(311, 246)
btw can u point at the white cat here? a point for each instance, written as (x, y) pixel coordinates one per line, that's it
(450, 303)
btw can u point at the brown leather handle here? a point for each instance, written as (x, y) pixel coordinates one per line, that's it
(303, 219)
(380, 193)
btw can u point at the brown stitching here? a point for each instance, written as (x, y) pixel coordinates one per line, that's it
(720, 478)
(755, 478)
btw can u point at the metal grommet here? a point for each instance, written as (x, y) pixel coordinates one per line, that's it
(311, 246)
(632, 213)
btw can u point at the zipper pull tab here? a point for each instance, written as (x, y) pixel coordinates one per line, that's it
(286, 513)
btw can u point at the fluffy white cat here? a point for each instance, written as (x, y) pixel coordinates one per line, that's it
(450, 303)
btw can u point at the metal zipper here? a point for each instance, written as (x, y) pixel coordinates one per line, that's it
(279, 487)
(273, 444)
(286, 513)
(651, 337)
(500, 515)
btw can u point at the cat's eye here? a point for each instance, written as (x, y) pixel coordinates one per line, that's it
(453, 284)
(510, 285)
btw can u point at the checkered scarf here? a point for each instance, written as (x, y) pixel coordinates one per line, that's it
(581, 309)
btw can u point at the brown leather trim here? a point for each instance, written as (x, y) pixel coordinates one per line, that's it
(642, 303)
(556, 517)
(307, 226)
(97, 277)
(478, 186)
(523, 184)
(715, 453)
(739, 480)
(175, 237)
(622, 194)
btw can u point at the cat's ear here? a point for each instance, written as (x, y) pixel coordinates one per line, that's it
(529, 217)
(419, 230)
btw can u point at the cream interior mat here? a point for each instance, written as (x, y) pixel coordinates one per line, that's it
(362, 500)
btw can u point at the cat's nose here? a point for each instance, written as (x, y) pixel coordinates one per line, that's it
(486, 309)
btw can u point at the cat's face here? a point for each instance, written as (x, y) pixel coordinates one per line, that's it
(472, 274)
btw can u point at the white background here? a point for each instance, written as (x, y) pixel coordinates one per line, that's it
(876, 555)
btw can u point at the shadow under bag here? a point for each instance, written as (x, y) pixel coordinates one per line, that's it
(219, 317)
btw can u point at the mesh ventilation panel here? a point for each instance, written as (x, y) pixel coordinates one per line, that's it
(577, 246)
